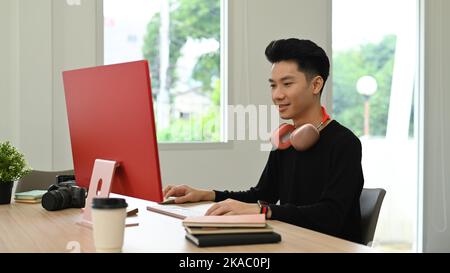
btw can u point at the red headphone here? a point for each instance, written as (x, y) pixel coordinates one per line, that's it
(301, 138)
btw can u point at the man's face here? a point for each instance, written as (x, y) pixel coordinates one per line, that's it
(291, 91)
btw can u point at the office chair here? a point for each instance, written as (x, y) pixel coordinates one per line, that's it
(39, 180)
(370, 203)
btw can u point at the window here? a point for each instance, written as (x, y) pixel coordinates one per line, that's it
(181, 39)
(375, 64)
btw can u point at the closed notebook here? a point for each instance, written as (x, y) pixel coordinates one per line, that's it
(28, 201)
(249, 220)
(29, 195)
(233, 239)
(228, 230)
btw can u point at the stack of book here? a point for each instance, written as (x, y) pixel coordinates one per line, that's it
(229, 230)
(31, 197)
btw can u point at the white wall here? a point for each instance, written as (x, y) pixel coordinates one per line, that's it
(75, 40)
(54, 37)
(35, 81)
(42, 38)
(7, 70)
(436, 149)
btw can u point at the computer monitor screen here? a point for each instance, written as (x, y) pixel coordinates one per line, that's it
(110, 114)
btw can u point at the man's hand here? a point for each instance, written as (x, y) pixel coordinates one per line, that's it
(230, 207)
(186, 194)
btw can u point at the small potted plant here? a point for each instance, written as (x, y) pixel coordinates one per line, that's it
(12, 167)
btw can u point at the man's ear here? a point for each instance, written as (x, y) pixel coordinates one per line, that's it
(317, 84)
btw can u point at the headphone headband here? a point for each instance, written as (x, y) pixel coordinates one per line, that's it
(325, 118)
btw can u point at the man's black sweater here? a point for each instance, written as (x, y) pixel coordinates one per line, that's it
(318, 189)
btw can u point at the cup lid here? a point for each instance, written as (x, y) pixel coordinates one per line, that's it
(109, 203)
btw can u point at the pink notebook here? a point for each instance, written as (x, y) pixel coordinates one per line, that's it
(249, 220)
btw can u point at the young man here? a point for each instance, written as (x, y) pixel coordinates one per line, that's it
(318, 188)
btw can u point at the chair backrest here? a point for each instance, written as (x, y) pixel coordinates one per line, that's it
(370, 203)
(39, 180)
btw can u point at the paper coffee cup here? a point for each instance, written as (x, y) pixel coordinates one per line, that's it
(108, 221)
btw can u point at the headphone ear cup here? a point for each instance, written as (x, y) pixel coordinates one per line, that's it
(304, 137)
(280, 138)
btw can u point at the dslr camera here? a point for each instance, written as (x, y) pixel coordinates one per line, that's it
(64, 194)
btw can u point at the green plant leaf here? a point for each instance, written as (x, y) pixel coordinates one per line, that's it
(12, 163)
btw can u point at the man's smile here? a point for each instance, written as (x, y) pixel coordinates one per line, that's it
(283, 106)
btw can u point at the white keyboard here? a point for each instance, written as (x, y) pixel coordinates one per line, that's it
(175, 211)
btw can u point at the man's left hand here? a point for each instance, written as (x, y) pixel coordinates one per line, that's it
(232, 207)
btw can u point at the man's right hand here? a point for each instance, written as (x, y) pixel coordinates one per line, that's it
(185, 194)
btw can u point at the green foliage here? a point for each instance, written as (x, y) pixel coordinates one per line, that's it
(12, 163)
(197, 20)
(207, 69)
(151, 49)
(215, 96)
(376, 60)
(201, 128)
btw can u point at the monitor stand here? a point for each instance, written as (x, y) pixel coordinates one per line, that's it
(103, 171)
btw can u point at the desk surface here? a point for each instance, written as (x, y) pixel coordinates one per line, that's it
(30, 228)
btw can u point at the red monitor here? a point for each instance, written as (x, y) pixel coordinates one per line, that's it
(110, 113)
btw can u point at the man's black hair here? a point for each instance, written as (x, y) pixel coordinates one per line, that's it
(310, 58)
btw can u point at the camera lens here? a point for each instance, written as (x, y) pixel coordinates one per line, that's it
(57, 199)
(78, 197)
